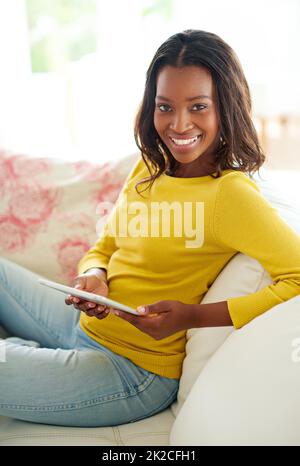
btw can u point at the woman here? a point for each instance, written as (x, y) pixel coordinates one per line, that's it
(160, 251)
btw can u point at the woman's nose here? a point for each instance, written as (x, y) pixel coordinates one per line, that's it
(181, 122)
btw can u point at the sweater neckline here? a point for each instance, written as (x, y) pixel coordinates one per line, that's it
(196, 179)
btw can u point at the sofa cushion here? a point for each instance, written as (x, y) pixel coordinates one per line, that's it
(248, 392)
(154, 430)
(241, 276)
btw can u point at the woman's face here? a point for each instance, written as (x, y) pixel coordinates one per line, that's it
(185, 115)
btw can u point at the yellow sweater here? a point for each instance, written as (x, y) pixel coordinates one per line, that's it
(150, 264)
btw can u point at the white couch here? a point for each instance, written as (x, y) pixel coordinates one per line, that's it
(238, 387)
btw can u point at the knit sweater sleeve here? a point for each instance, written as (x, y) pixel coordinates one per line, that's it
(246, 222)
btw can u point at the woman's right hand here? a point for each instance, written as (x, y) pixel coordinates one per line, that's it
(93, 284)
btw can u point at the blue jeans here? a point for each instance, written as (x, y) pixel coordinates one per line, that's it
(52, 372)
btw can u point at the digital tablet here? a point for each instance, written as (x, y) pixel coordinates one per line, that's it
(94, 298)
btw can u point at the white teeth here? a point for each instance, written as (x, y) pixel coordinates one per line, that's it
(184, 142)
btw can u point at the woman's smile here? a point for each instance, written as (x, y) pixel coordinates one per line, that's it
(184, 145)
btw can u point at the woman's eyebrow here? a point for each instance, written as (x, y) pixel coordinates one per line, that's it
(188, 99)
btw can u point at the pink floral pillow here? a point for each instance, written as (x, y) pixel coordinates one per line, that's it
(48, 210)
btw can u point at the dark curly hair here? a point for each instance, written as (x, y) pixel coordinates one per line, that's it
(239, 148)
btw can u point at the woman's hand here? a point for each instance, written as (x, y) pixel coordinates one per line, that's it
(160, 319)
(93, 284)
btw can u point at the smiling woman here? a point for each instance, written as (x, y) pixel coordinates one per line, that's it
(134, 362)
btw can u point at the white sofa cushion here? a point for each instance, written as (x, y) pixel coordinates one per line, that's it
(154, 430)
(241, 276)
(248, 392)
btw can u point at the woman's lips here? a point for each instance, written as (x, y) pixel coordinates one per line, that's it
(185, 144)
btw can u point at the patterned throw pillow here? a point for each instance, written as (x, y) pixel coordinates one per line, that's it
(49, 210)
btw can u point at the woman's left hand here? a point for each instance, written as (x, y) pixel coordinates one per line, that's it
(160, 319)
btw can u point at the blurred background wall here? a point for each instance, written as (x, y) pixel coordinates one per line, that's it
(73, 71)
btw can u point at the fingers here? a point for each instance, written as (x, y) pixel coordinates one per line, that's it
(79, 282)
(91, 309)
(71, 300)
(100, 312)
(87, 306)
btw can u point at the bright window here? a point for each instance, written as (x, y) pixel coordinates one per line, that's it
(61, 31)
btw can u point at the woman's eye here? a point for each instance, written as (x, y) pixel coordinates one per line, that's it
(164, 107)
(199, 107)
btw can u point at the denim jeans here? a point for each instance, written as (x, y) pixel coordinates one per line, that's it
(52, 372)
